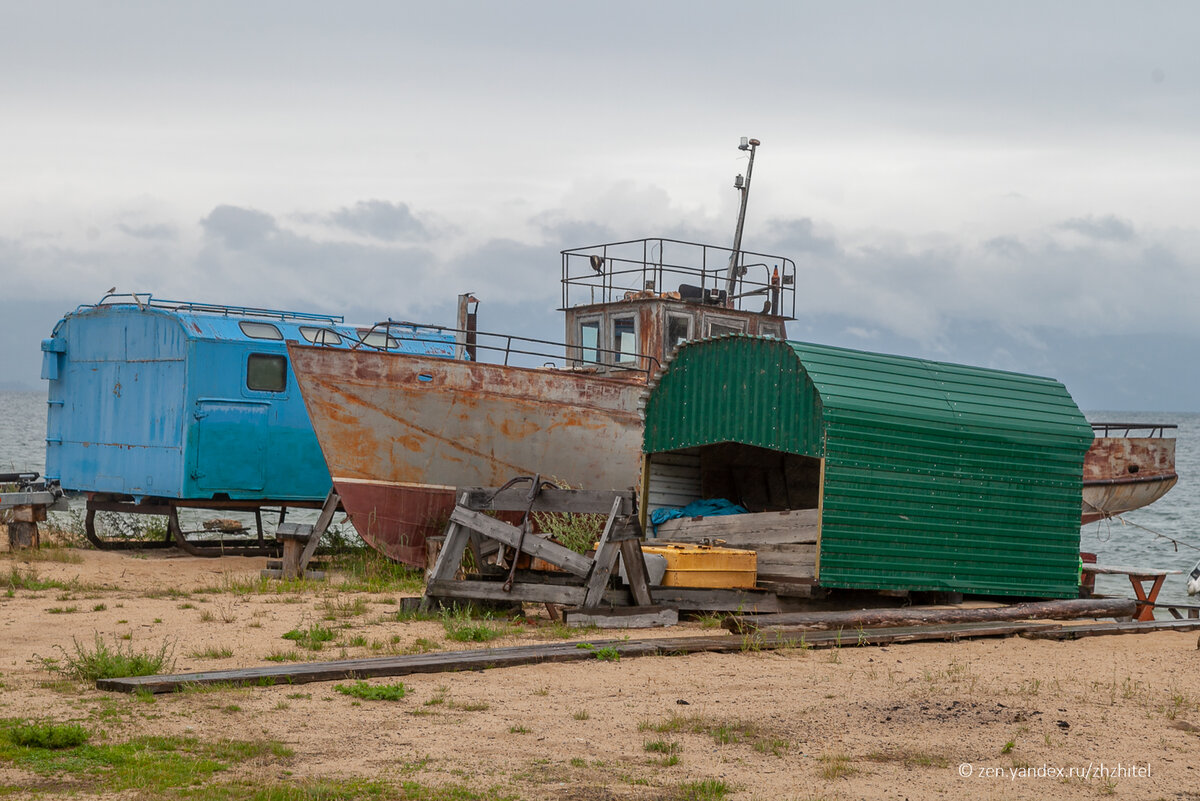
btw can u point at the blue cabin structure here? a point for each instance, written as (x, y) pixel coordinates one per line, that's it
(153, 400)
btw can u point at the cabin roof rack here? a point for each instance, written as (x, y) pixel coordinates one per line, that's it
(146, 300)
(675, 269)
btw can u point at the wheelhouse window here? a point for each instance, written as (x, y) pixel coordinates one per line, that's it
(320, 336)
(773, 330)
(624, 339)
(259, 330)
(720, 326)
(589, 341)
(679, 329)
(379, 339)
(266, 372)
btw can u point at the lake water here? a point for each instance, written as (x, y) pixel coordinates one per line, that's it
(22, 447)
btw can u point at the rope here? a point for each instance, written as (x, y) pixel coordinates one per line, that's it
(1157, 534)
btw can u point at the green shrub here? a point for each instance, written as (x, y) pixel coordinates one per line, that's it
(372, 692)
(48, 735)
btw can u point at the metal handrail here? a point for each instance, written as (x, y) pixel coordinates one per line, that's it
(607, 269)
(570, 355)
(1157, 430)
(146, 299)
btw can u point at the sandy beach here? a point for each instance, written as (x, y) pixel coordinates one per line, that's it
(987, 719)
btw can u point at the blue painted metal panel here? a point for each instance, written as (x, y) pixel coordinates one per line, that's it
(151, 399)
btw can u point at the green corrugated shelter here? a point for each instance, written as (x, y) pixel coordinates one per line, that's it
(924, 475)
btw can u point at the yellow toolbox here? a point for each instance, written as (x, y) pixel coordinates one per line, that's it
(692, 565)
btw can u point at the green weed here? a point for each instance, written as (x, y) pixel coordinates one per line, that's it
(372, 692)
(100, 661)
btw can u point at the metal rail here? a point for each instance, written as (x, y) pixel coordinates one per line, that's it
(645, 267)
(509, 345)
(1156, 430)
(147, 300)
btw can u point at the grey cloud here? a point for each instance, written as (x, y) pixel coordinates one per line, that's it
(797, 236)
(237, 227)
(159, 232)
(1109, 228)
(381, 219)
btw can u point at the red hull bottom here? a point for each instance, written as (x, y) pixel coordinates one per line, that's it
(395, 519)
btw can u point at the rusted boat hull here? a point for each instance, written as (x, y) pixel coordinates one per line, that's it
(1125, 473)
(399, 432)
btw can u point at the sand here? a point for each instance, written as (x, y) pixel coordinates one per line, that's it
(981, 719)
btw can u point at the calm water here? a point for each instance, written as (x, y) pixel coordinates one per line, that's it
(22, 446)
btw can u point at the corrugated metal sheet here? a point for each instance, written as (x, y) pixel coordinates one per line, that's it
(937, 476)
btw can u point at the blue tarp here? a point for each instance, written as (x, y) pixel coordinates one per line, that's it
(704, 508)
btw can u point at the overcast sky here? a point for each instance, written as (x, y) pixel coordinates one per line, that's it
(1007, 184)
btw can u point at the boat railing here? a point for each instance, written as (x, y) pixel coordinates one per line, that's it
(679, 270)
(145, 300)
(1144, 430)
(506, 349)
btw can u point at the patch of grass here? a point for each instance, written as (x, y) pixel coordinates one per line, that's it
(100, 661)
(62, 610)
(1008, 747)
(152, 767)
(461, 627)
(213, 652)
(342, 608)
(606, 654)
(836, 766)
(579, 532)
(47, 553)
(311, 638)
(662, 747)
(47, 735)
(723, 732)
(372, 692)
(357, 641)
(283, 656)
(518, 730)
(911, 759)
(702, 790)
(367, 570)
(99, 607)
(711, 620)
(582, 714)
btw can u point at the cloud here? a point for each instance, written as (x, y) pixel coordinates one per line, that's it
(159, 232)
(238, 228)
(381, 219)
(1109, 228)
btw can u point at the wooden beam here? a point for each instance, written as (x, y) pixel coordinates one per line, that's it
(622, 617)
(1107, 629)
(494, 591)
(881, 618)
(533, 545)
(487, 658)
(548, 500)
(605, 560)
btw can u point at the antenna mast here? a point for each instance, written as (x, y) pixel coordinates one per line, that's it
(734, 271)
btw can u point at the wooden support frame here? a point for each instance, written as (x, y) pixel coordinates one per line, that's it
(585, 580)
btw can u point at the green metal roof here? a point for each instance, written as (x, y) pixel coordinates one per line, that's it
(937, 476)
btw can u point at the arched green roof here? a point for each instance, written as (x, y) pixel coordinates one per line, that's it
(936, 475)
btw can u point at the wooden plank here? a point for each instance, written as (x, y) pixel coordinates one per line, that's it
(516, 499)
(1107, 629)
(1116, 570)
(606, 558)
(487, 658)
(450, 556)
(532, 544)
(622, 617)
(881, 618)
(328, 509)
(635, 572)
(494, 591)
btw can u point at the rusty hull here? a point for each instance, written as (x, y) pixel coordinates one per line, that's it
(1125, 473)
(399, 432)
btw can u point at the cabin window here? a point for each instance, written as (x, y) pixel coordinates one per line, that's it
(720, 326)
(679, 329)
(624, 339)
(773, 330)
(379, 339)
(320, 336)
(259, 330)
(589, 341)
(266, 372)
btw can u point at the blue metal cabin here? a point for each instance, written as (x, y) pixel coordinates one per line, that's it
(164, 399)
